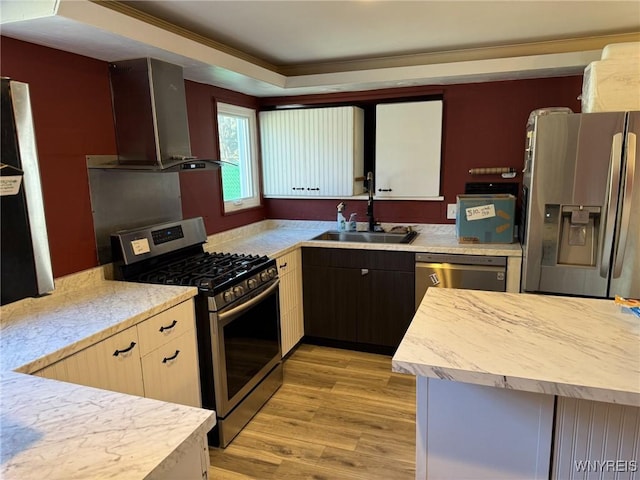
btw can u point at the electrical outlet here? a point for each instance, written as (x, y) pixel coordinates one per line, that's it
(451, 211)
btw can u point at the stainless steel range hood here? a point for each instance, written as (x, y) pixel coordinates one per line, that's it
(150, 115)
(141, 185)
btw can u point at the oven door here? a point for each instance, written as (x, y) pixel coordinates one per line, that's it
(245, 345)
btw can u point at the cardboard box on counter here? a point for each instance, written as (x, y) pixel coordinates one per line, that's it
(485, 218)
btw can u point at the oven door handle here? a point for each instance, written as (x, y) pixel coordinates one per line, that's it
(247, 305)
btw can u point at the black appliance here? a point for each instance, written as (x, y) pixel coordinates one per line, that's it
(24, 258)
(237, 314)
(481, 188)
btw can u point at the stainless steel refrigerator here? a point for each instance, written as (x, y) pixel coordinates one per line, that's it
(580, 228)
(25, 262)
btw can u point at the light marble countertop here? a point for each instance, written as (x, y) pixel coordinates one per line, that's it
(567, 346)
(37, 332)
(57, 430)
(277, 237)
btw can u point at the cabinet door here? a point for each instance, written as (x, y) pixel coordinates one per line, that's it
(467, 431)
(361, 296)
(171, 372)
(388, 308)
(595, 437)
(190, 461)
(280, 149)
(291, 320)
(112, 364)
(56, 371)
(332, 298)
(408, 140)
(312, 152)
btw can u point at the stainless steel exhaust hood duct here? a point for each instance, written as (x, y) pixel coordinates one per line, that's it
(150, 114)
(140, 186)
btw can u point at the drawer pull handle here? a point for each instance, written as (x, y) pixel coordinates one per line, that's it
(126, 350)
(173, 324)
(284, 265)
(385, 190)
(168, 359)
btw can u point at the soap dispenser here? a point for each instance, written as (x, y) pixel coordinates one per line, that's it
(353, 226)
(342, 222)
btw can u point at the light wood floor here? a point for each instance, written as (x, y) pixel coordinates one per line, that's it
(339, 415)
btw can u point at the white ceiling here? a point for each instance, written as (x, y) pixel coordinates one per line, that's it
(312, 31)
(273, 47)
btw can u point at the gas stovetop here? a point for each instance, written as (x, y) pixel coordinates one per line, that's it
(172, 254)
(210, 272)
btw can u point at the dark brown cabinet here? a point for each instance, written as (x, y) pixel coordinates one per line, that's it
(362, 298)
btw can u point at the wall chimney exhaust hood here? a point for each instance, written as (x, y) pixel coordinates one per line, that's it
(150, 115)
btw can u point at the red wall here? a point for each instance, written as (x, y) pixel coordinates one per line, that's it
(71, 106)
(483, 126)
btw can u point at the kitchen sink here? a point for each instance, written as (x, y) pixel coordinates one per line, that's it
(367, 237)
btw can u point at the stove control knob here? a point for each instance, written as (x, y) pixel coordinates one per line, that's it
(272, 272)
(238, 291)
(252, 283)
(264, 276)
(228, 296)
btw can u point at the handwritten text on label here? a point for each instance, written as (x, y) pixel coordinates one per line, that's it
(478, 213)
(140, 246)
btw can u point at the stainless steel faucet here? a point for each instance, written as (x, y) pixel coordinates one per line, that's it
(372, 222)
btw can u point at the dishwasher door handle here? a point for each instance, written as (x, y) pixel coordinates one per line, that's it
(458, 267)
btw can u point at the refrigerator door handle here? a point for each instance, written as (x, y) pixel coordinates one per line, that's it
(614, 190)
(629, 177)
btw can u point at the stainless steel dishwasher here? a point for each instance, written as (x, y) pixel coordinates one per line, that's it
(474, 272)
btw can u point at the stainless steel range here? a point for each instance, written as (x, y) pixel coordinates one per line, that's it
(237, 314)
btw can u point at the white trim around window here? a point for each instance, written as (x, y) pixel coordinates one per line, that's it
(243, 156)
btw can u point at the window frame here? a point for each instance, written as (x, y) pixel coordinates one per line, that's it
(250, 114)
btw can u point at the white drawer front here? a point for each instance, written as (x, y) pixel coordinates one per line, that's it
(164, 327)
(288, 263)
(112, 364)
(171, 372)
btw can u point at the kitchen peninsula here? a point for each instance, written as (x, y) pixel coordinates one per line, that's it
(491, 369)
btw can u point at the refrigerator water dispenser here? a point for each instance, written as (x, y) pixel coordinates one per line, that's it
(579, 235)
(571, 235)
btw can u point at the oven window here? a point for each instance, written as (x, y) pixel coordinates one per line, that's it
(251, 341)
